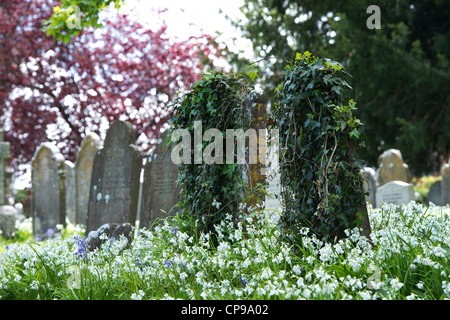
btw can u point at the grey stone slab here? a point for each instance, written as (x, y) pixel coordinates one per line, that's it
(114, 188)
(395, 192)
(160, 190)
(83, 172)
(392, 168)
(48, 189)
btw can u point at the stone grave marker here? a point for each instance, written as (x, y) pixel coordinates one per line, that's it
(114, 189)
(370, 185)
(273, 187)
(256, 118)
(4, 157)
(159, 189)
(69, 180)
(435, 193)
(445, 173)
(395, 192)
(83, 171)
(48, 189)
(392, 168)
(272, 200)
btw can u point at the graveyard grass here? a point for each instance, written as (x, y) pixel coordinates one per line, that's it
(409, 259)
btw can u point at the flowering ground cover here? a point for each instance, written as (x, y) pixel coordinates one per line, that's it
(408, 259)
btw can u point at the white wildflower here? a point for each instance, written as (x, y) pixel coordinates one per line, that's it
(138, 296)
(310, 259)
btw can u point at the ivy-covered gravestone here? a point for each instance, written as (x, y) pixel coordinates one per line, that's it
(211, 183)
(321, 181)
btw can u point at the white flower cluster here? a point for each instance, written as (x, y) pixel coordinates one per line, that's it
(247, 259)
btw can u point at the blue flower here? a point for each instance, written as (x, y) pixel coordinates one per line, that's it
(139, 264)
(242, 281)
(82, 247)
(170, 263)
(174, 230)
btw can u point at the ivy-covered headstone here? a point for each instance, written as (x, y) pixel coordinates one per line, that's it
(211, 185)
(321, 180)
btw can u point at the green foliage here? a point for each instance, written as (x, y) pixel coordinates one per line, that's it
(211, 191)
(401, 72)
(320, 174)
(63, 24)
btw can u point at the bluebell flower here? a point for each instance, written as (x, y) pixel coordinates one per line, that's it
(174, 230)
(170, 263)
(139, 264)
(82, 247)
(242, 281)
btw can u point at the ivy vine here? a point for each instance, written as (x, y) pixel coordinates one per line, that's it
(321, 181)
(211, 191)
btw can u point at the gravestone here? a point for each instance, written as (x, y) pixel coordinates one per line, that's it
(272, 199)
(9, 196)
(395, 192)
(83, 171)
(69, 180)
(392, 168)
(48, 189)
(370, 185)
(8, 219)
(159, 189)
(4, 157)
(435, 193)
(445, 173)
(114, 189)
(256, 118)
(273, 187)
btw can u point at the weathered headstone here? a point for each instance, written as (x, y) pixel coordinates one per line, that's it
(256, 107)
(115, 177)
(83, 171)
(4, 156)
(8, 218)
(370, 185)
(395, 192)
(392, 168)
(69, 180)
(445, 173)
(272, 200)
(435, 193)
(48, 189)
(159, 190)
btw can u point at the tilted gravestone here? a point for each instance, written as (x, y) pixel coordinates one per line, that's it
(83, 171)
(4, 156)
(395, 192)
(392, 168)
(48, 189)
(435, 194)
(159, 190)
(114, 189)
(445, 173)
(370, 185)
